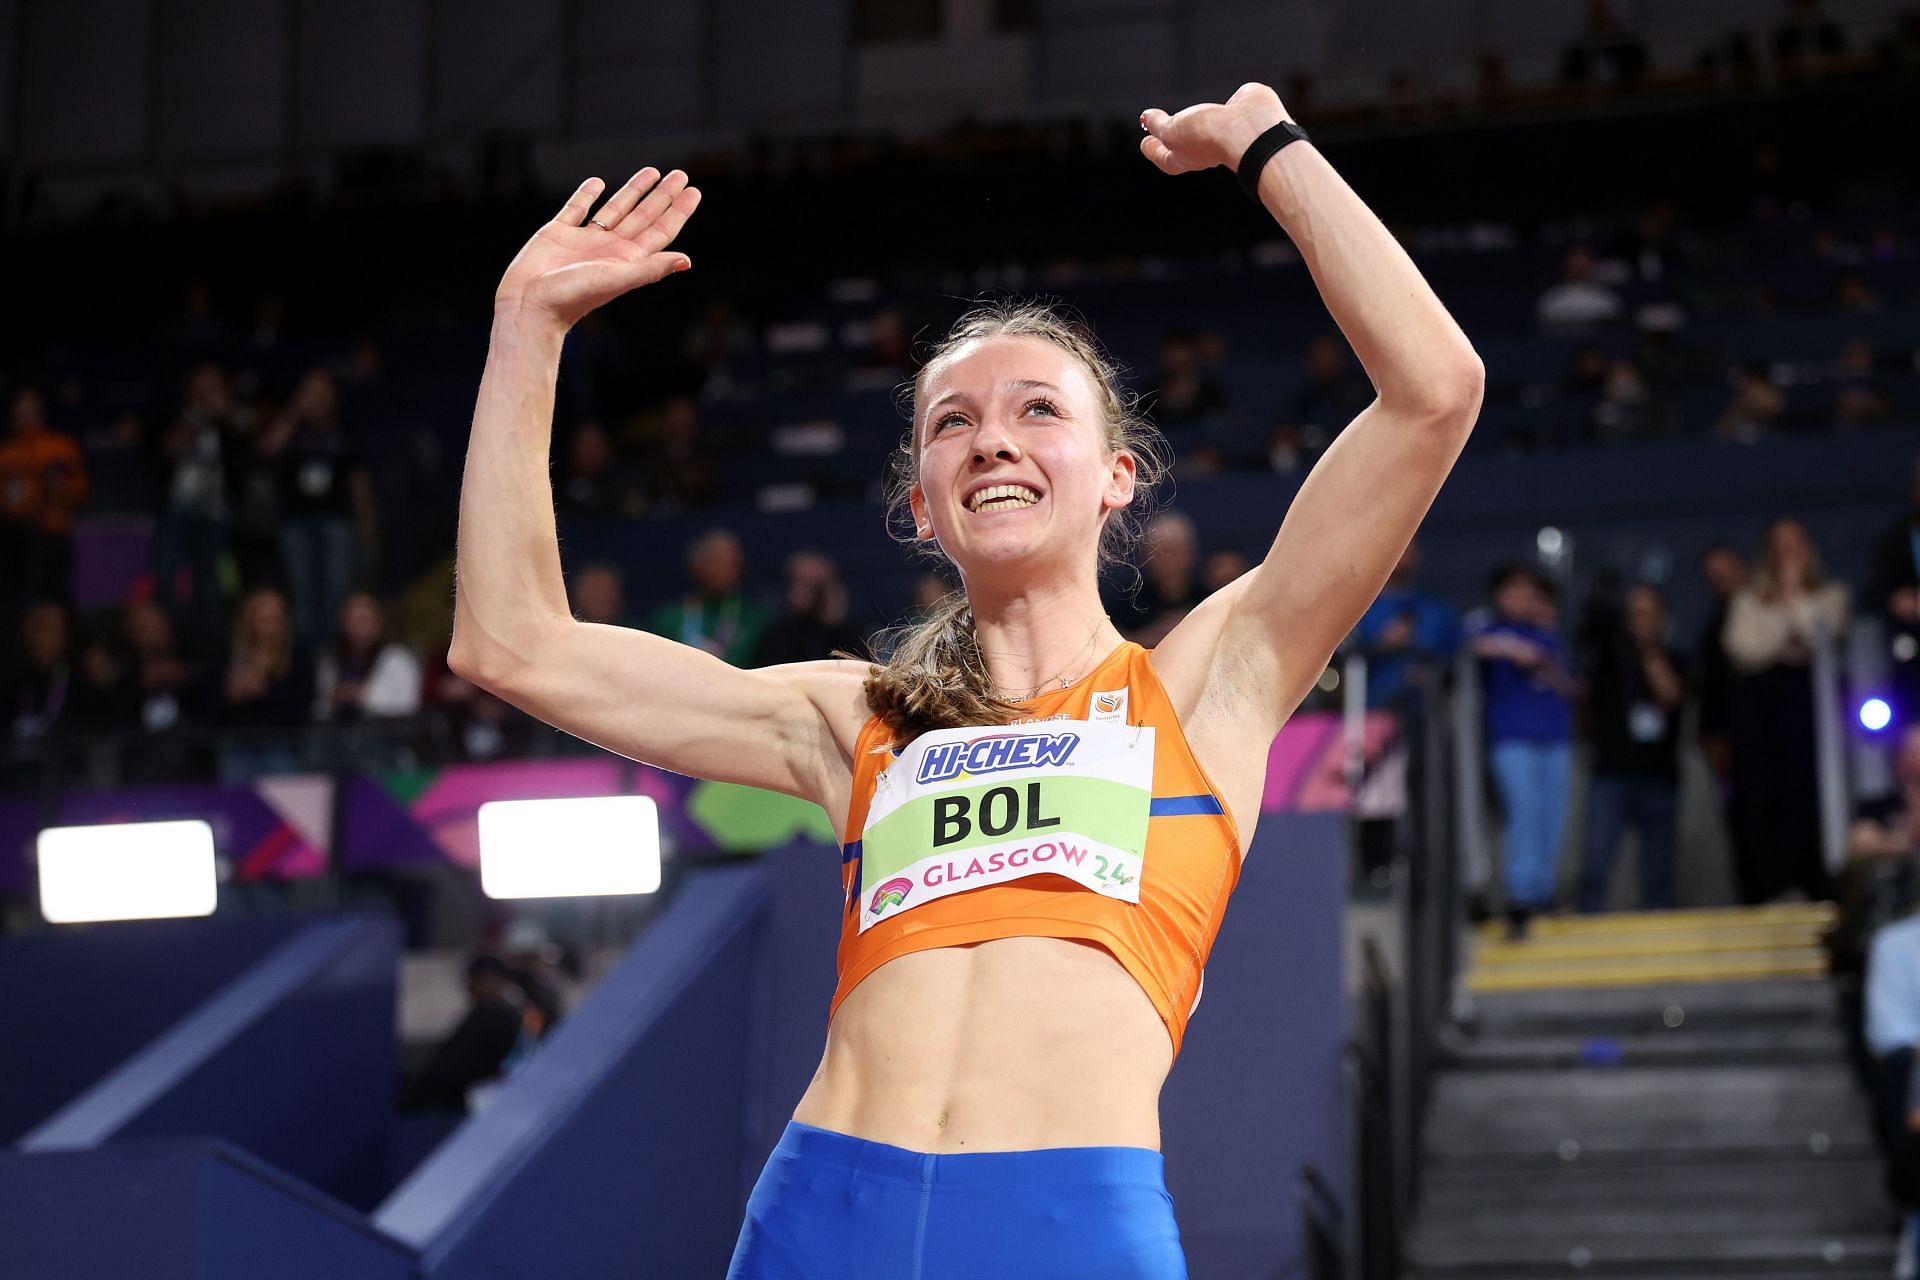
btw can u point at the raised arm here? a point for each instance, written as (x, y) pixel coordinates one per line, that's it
(1265, 639)
(787, 728)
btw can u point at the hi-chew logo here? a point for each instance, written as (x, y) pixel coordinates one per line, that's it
(995, 753)
(891, 894)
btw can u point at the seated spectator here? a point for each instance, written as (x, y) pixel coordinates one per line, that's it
(1773, 626)
(103, 696)
(1579, 299)
(1754, 410)
(593, 483)
(1606, 51)
(680, 471)
(1335, 393)
(265, 677)
(499, 1028)
(43, 483)
(1854, 294)
(1287, 451)
(1183, 395)
(1409, 636)
(714, 616)
(365, 675)
(1527, 688)
(481, 726)
(814, 624)
(1169, 584)
(38, 687)
(1858, 397)
(159, 673)
(1625, 406)
(1634, 699)
(599, 594)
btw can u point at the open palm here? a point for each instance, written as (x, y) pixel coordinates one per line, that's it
(573, 264)
(1210, 133)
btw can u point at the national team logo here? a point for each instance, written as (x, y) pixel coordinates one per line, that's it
(1110, 704)
(891, 894)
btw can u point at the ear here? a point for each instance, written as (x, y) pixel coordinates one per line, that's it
(922, 522)
(1121, 475)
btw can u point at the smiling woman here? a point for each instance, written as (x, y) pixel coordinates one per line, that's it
(988, 1099)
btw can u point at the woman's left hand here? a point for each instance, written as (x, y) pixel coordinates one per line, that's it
(1210, 133)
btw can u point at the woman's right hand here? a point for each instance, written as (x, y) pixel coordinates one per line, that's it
(573, 265)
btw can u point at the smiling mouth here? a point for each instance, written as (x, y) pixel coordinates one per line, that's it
(1002, 497)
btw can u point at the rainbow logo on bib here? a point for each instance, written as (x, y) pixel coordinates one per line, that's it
(891, 894)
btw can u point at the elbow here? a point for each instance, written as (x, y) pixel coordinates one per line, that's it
(1449, 399)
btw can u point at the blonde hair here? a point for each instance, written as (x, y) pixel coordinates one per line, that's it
(934, 676)
(1766, 579)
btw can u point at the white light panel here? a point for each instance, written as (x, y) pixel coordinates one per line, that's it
(127, 871)
(569, 848)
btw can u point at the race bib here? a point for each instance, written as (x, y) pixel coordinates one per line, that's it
(962, 808)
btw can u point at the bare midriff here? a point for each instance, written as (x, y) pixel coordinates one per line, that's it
(1010, 1045)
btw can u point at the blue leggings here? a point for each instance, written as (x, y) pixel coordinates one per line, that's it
(829, 1206)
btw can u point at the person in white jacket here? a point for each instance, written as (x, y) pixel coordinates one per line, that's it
(364, 675)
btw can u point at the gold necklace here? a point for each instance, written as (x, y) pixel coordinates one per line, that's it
(1061, 675)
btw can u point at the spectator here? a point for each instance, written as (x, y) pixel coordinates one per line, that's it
(1606, 51)
(329, 522)
(1169, 584)
(160, 674)
(1578, 299)
(481, 726)
(814, 624)
(1895, 592)
(1335, 392)
(103, 695)
(483, 1046)
(593, 484)
(1854, 294)
(1773, 627)
(1222, 569)
(1724, 569)
(1183, 395)
(191, 538)
(38, 689)
(365, 675)
(264, 678)
(1287, 452)
(714, 616)
(1858, 396)
(1753, 411)
(1527, 687)
(680, 470)
(1634, 701)
(599, 595)
(43, 483)
(1409, 637)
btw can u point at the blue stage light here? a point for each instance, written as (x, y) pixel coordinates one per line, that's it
(1875, 714)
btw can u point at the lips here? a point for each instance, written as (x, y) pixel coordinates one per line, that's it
(1002, 497)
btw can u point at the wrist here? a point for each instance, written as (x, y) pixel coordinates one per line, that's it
(526, 319)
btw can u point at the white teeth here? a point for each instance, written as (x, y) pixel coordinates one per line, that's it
(1005, 495)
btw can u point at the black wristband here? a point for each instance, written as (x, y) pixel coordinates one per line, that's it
(1262, 151)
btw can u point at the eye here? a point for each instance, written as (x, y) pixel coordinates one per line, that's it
(1042, 403)
(941, 423)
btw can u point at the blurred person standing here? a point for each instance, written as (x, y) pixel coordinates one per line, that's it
(43, 482)
(714, 616)
(39, 684)
(1527, 689)
(1634, 701)
(1408, 636)
(365, 675)
(1169, 581)
(814, 624)
(191, 538)
(328, 528)
(598, 593)
(1773, 626)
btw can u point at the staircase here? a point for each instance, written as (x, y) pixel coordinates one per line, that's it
(1657, 1096)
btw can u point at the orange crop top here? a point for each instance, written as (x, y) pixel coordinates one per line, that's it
(1088, 819)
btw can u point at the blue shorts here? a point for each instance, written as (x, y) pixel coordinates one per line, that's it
(830, 1206)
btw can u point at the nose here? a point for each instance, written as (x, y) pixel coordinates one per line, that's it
(994, 441)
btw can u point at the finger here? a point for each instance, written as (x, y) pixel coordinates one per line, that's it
(660, 233)
(1162, 155)
(621, 202)
(649, 268)
(574, 211)
(1153, 120)
(650, 208)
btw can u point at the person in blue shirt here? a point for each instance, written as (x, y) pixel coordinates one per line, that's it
(1527, 688)
(1407, 635)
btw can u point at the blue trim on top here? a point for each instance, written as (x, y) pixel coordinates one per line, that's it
(849, 851)
(1185, 806)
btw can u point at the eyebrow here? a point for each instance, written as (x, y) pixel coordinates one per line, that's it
(1011, 384)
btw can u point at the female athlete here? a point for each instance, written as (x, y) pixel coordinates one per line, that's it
(1042, 822)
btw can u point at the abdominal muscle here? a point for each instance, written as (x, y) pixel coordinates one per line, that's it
(1010, 1045)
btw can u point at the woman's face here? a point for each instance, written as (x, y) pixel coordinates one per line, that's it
(1791, 550)
(360, 622)
(1013, 456)
(267, 622)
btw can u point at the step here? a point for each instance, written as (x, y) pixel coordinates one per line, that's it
(1668, 1046)
(1556, 975)
(1652, 1006)
(1628, 946)
(1702, 1109)
(1771, 1254)
(1817, 916)
(1840, 1189)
